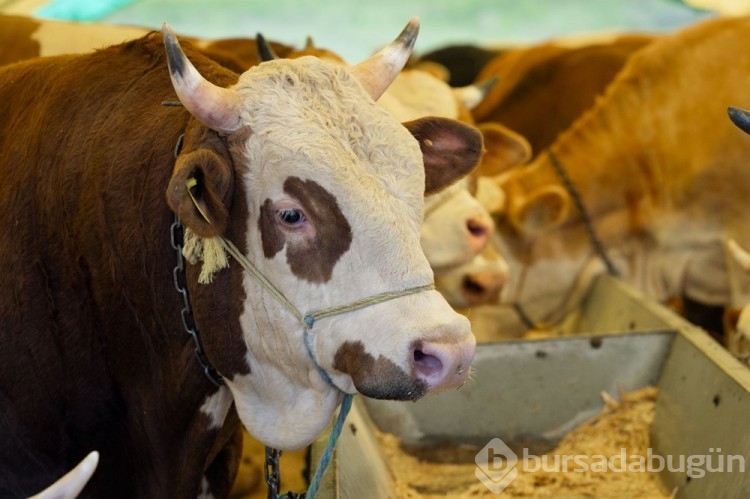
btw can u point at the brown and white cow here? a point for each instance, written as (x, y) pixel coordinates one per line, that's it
(295, 169)
(457, 226)
(659, 170)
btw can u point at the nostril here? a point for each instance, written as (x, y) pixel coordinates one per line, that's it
(473, 286)
(477, 228)
(427, 365)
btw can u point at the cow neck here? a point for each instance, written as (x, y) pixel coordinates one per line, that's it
(591, 232)
(188, 320)
(596, 242)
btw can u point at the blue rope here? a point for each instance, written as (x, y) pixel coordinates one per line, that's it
(346, 404)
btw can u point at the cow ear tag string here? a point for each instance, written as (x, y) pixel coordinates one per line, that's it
(307, 321)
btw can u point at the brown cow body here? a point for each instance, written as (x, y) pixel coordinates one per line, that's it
(95, 355)
(97, 269)
(86, 269)
(542, 89)
(659, 169)
(23, 37)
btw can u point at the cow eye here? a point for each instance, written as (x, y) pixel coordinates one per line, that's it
(291, 216)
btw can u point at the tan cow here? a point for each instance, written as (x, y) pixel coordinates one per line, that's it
(542, 89)
(657, 168)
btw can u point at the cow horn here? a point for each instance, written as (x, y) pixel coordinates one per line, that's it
(214, 106)
(379, 71)
(265, 51)
(471, 95)
(740, 117)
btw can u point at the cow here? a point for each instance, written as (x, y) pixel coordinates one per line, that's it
(457, 227)
(543, 88)
(737, 318)
(462, 63)
(24, 37)
(72, 483)
(244, 258)
(648, 184)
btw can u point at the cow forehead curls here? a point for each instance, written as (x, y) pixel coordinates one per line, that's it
(320, 111)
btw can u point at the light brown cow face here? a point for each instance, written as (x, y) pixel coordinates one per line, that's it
(333, 190)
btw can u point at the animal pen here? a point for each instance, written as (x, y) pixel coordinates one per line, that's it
(531, 393)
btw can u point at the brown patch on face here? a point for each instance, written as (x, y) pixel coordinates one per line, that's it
(311, 260)
(376, 378)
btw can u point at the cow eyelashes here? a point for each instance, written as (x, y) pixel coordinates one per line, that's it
(291, 217)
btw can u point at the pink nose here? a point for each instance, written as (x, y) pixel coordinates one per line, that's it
(444, 365)
(480, 229)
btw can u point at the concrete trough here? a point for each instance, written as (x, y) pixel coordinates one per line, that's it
(530, 393)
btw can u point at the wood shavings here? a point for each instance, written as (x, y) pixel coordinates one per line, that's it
(620, 425)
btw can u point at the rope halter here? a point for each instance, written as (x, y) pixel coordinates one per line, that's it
(308, 320)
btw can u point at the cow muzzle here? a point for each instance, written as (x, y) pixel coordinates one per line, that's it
(421, 366)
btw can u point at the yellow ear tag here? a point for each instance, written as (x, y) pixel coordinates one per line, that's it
(190, 183)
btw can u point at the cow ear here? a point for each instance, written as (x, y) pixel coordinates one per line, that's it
(200, 192)
(450, 150)
(544, 208)
(504, 149)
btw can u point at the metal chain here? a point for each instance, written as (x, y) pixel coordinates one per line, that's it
(272, 473)
(188, 321)
(177, 235)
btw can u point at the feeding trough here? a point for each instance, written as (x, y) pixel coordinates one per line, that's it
(531, 393)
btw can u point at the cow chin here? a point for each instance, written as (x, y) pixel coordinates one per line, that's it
(398, 387)
(286, 415)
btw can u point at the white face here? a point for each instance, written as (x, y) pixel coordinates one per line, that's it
(334, 201)
(456, 228)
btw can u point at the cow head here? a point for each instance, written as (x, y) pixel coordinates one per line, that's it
(551, 259)
(322, 191)
(456, 226)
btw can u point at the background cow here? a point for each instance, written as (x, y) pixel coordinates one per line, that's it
(23, 37)
(542, 89)
(294, 164)
(658, 168)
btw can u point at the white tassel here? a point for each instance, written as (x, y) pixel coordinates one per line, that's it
(208, 250)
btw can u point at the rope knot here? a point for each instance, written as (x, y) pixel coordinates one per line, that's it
(309, 320)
